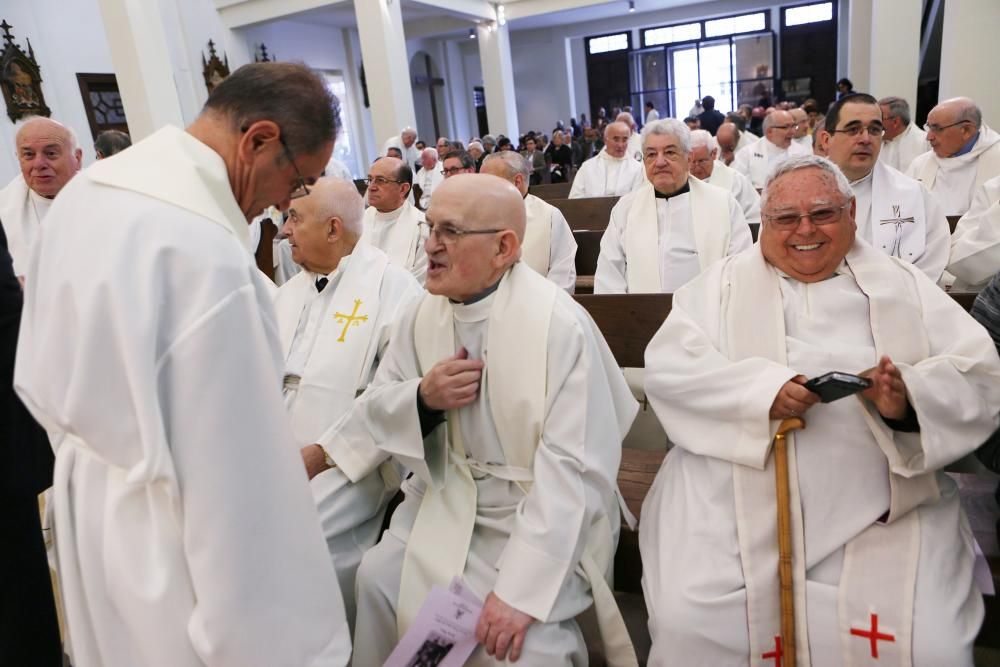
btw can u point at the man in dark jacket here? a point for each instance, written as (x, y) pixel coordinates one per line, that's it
(710, 118)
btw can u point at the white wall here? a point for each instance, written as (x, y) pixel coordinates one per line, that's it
(68, 37)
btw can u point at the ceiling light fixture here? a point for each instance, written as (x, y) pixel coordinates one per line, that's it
(501, 15)
(631, 6)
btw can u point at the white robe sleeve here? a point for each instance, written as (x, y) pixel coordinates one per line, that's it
(419, 269)
(955, 391)
(740, 237)
(741, 162)
(609, 277)
(244, 488)
(707, 403)
(562, 253)
(975, 245)
(579, 188)
(938, 244)
(575, 470)
(746, 195)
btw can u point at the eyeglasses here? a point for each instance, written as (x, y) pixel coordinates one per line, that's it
(855, 130)
(301, 189)
(793, 126)
(670, 154)
(938, 129)
(818, 216)
(451, 171)
(380, 181)
(450, 235)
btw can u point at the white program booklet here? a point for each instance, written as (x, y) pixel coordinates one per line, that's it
(444, 632)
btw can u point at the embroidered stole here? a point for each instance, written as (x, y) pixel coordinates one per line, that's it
(898, 217)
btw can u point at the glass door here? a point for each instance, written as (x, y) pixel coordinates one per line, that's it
(716, 69)
(684, 91)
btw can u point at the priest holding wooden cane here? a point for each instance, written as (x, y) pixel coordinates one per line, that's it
(882, 555)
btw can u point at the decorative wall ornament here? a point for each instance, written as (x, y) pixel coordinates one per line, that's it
(261, 55)
(20, 79)
(215, 70)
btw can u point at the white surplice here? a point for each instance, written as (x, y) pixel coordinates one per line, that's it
(740, 187)
(397, 234)
(411, 155)
(21, 212)
(899, 153)
(634, 148)
(185, 534)
(606, 176)
(677, 249)
(329, 360)
(549, 247)
(532, 520)
(759, 158)
(428, 180)
(975, 245)
(954, 180)
(849, 470)
(899, 216)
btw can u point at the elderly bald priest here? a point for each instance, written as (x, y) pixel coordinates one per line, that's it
(334, 319)
(882, 554)
(500, 394)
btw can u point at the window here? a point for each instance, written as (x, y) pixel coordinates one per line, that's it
(608, 43)
(671, 34)
(821, 11)
(344, 149)
(736, 24)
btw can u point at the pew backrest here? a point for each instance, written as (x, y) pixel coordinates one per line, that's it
(551, 190)
(591, 213)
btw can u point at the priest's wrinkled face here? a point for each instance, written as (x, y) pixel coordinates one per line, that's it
(947, 130)
(702, 162)
(616, 139)
(408, 137)
(666, 162)
(857, 140)
(48, 156)
(808, 224)
(475, 226)
(779, 128)
(386, 189)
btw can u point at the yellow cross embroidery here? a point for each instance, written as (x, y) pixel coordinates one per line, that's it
(348, 320)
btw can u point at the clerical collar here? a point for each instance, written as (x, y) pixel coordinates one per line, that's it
(684, 189)
(482, 295)
(968, 146)
(319, 278)
(391, 215)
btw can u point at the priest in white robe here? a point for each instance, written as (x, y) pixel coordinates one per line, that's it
(634, 148)
(49, 157)
(612, 172)
(392, 222)
(429, 177)
(706, 166)
(975, 245)
(964, 154)
(802, 136)
(500, 394)
(882, 553)
(903, 141)
(669, 230)
(759, 158)
(405, 141)
(334, 319)
(548, 246)
(184, 531)
(893, 212)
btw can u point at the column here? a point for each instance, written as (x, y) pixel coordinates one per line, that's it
(895, 50)
(138, 45)
(970, 58)
(859, 34)
(387, 68)
(498, 80)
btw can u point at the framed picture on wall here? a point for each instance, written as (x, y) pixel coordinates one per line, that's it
(102, 102)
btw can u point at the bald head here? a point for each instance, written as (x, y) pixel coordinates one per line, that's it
(779, 128)
(616, 138)
(48, 155)
(484, 201)
(324, 226)
(336, 198)
(952, 124)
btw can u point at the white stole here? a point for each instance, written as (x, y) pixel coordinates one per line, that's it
(403, 236)
(20, 221)
(438, 547)
(898, 217)
(722, 177)
(537, 245)
(709, 217)
(337, 364)
(875, 575)
(987, 162)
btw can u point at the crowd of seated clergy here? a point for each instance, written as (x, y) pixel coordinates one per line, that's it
(226, 450)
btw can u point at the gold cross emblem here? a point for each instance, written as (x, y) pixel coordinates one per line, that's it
(348, 320)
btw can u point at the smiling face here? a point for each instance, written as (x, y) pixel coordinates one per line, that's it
(46, 155)
(855, 155)
(804, 250)
(781, 128)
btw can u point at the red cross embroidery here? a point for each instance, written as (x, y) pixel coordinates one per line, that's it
(873, 635)
(776, 653)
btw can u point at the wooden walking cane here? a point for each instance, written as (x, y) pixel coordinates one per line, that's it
(785, 538)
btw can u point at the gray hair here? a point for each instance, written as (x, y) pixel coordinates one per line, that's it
(898, 108)
(668, 126)
(407, 130)
(31, 120)
(489, 140)
(428, 152)
(514, 162)
(800, 162)
(704, 138)
(970, 111)
(475, 144)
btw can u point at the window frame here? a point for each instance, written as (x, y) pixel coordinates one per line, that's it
(628, 42)
(785, 8)
(703, 22)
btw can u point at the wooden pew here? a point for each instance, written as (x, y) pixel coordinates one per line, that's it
(591, 213)
(588, 247)
(551, 190)
(628, 322)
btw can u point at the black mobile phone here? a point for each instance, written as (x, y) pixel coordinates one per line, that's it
(834, 385)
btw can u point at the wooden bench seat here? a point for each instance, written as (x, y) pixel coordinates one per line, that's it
(548, 191)
(591, 213)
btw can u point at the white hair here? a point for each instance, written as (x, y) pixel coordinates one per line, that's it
(806, 162)
(704, 138)
(514, 162)
(475, 144)
(407, 130)
(429, 152)
(670, 126)
(74, 143)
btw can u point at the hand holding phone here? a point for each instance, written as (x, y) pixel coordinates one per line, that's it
(836, 385)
